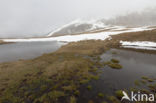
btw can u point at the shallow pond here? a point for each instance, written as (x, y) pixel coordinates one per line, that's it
(27, 50)
(135, 65)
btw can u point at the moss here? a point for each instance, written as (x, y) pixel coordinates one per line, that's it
(114, 60)
(89, 87)
(115, 66)
(119, 94)
(101, 95)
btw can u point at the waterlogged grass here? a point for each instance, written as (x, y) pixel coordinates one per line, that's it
(114, 60)
(114, 64)
(119, 94)
(52, 77)
(89, 87)
(56, 77)
(113, 99)
(101, 95)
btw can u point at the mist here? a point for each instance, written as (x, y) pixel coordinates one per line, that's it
(30, 18)
(144, 18)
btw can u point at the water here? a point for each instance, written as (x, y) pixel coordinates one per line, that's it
(135, 65)
(26, 50)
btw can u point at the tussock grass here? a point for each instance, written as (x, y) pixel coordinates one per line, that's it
(52, 76)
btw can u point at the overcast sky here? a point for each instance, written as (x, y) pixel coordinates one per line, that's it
(36, 17)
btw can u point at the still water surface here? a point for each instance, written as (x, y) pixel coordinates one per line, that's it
(27, 50)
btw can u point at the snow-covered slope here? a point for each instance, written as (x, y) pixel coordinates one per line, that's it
(73, 38)
(77, 27)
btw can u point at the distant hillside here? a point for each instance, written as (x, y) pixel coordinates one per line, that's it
(78, 26)
(145, 18)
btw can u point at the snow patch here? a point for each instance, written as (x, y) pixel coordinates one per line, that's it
(93, 22)
(74, 38)
(139, 45)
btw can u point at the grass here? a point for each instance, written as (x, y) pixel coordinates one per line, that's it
(148, 35)
(89, 87)
(137, 82)
(147, 79)
(114, 60)
(119, 94)
(113, 99)
(101, 95)
(1, 42)
(52, 76)
(57, 76)
(77, 93)
(72, 99)
(115, 65)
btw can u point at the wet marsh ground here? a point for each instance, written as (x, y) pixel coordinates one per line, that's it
(79, 72)
(137, 74)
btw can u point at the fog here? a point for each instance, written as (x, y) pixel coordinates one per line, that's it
(25, 18)
(134, 19)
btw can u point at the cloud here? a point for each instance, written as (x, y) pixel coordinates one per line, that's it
(23, 18)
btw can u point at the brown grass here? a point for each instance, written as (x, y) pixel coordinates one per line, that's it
(1, 42)
(67, 67)
(63, 71)
(149, 35)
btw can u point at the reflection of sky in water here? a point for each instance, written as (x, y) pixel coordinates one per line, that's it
(135, 65)
(28, 50)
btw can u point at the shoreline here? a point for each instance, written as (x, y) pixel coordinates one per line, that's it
(58, 74)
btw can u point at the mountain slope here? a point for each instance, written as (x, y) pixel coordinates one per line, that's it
(77, 27)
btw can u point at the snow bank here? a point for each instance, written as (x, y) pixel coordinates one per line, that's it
(74, 38)
(139, 45)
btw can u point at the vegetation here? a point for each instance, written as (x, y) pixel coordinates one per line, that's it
(114, 60)
(52, 76)
(89, 87)
(101, 95)
(113, 99)
(137, 82)
(57, 76)
(115, 65)
(2, 42)
(119, 94)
